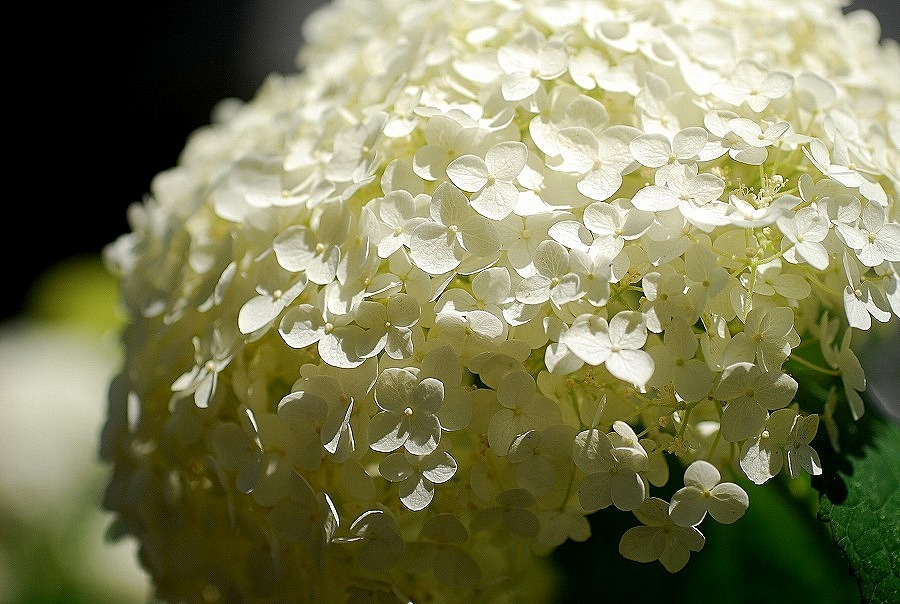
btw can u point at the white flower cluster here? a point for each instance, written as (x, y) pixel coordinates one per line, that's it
(487, 266)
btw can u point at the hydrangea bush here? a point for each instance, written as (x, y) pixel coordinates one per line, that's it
(483, 267)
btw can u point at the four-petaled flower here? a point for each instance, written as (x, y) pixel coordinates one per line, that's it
(408, 416)
(703, 492)
(660, 538)
(612, 467)
(490, 180)
(616, 343)
(417, 475)
(454, 232)
(749, 391)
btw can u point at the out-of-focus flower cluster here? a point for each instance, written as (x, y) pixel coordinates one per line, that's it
(487, 266)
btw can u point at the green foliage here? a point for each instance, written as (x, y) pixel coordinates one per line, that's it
(861, 504)
(78, 292)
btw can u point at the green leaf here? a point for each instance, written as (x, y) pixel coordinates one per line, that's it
(861, 504)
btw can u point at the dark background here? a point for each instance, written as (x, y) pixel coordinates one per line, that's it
(100, 103)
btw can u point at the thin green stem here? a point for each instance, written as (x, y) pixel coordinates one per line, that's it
(815, 367)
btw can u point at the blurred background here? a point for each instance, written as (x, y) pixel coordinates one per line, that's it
(104, 102)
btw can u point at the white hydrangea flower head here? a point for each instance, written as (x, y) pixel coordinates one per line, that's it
(483, 267)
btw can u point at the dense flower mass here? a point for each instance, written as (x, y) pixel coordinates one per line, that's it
(484, 267)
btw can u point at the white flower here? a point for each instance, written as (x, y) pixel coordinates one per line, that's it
(703, 492)
(409, 413)
(674, 362)
(657, 151)
(702, 276)
(490, 180)
(668, 298)
(315, 249)
(768, 337)
(599, 160)
(211, 356)
(337, 340)
(397, 212)
(753, 84)
(380, 534)
(274, 293)
(553, 280)
(455, 230)
(590, 70)
(835, 164)
(442, 363)
(799, 454)
(522, 409)
(594, 276)
(762, 456)
(418, 475)
(528, 60)
(724, 139)
(472, 332)
(875, 240)
(806, 229)
(659, 538)
(695, 195)
(753, 133)
(388, 326)
(539, 454)
(747, 214)
(862, 298)
(612, 473)
(343, 389)
(564, 108)
(613, 224)
(521, 235)
(313, 426)
(749, 391)
(852, 375)
(352, 146)
(443, 133)
(617, 344)
(771, 280)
